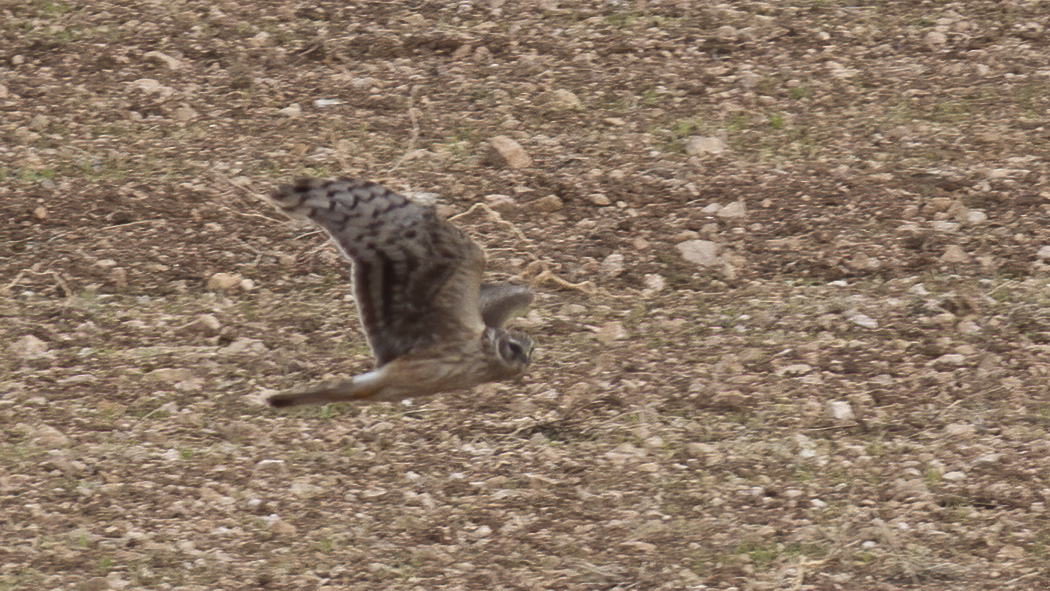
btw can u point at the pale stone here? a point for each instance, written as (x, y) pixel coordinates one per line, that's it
(960, 430)
(861, 320)
(563, 98)
(282, 528)
(504, 151)
(840, 410)
(504, 204)
(611, 332)
(954, 254)
(935, 39)
(163, 59)
(699, 145)
(29, 347)
(548, 204)
(224, 281)
(185, 114)
(48, 437)
(293, 110)
(734, 211)
(700, 252)
(949, 360)
(654, 283)
(599, 199)
(612, 266)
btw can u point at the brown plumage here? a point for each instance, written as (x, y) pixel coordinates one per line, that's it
(431, 324)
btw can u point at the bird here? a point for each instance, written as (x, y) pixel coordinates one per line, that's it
(431, 323)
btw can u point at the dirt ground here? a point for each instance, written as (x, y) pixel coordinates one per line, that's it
(792, 271)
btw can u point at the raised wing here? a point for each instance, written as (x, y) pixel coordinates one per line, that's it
(500, 302)
(416, 277)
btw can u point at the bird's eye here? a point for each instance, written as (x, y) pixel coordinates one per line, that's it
(516, 349)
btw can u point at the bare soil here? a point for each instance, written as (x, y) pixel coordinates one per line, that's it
(852, 394)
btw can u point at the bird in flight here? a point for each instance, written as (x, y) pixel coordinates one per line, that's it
(432, 324)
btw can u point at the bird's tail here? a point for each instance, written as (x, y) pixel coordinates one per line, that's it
(361, 388)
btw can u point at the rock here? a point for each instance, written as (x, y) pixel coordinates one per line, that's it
(954, 254)
(611, 332)
(562, 98)
(261, 39)
(734, 211)
(282, 528)
(797, 369)
(653, 284)
(548, 204)
(305, 490)
(862, 262)
(748, 80)
(910, 489)
(960, 430)
(1044, 253)
(503, 151)
(976, 217)
(243, 345)
(935, 39)
(151, 86)
(861, 320)
(190, 385)
(611, 266)
(987, 460)
(699, 145)
(80, 378)
(654, 442)
(48, 437)
(185, 114)
(39, 122)
(206, 324)
(700, 252)
(224, 281)
(94, 584)
(941, 203)
(1011, 552)
(293, 110)
(840, 410)
(504, 204)
(949, 361)
(726, 33)
(954, 476)
(700, 450)
(162, 59)
(271, 466)
(28, 347)
(599, 199)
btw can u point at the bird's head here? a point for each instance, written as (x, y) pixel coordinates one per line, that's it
(515, 349)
